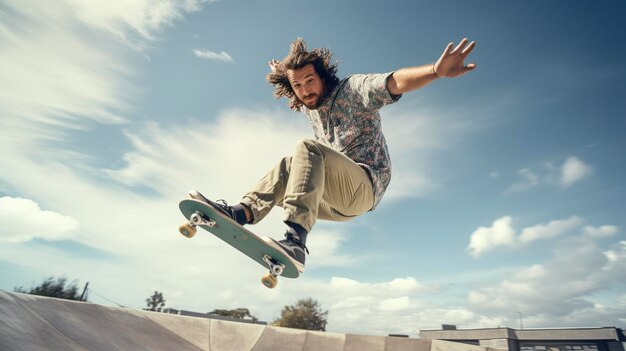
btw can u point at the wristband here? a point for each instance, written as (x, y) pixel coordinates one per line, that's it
(434, 72)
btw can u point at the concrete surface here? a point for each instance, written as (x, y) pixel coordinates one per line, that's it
(30, 322)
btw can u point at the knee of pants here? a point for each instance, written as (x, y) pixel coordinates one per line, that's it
(308, 145)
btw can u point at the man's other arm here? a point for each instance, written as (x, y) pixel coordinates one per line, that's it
(451, 64)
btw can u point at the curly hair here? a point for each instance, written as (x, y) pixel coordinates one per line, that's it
(297, 58)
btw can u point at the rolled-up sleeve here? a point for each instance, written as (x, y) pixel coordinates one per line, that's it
(372, 90)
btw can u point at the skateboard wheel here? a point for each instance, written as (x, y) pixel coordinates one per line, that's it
(269, 281)
(187, 230)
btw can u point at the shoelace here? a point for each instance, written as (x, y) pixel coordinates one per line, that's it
(293, 239)
(225, 206)
(227, 209)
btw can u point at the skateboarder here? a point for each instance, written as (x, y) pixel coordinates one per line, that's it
(344, 172)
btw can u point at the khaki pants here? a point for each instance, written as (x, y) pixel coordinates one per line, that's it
(316, 182)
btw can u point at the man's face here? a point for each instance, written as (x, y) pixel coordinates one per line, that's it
(307, 85)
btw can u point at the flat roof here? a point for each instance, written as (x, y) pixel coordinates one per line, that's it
(591, 333)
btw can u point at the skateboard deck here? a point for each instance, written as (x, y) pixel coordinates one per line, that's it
(208, 218)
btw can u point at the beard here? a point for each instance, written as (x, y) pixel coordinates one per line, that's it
(315, 104)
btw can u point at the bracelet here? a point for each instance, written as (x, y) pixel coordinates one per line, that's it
(435, 73)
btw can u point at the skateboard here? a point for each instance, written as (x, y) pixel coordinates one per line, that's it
(258, 249)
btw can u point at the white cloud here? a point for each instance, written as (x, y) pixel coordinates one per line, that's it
(53, 92)
(560, 290)
(210, 55)
(133, 22)
(414, 137)
(401, 286)
(170, 159)
(530, 181)
(397, 304)
(573, 171)
(615, 258)
(486, 238)
(327, 247)
(23, 220)
(145, 18)
(602, 231)
(550, 230)
(373, 307)
(503, 234)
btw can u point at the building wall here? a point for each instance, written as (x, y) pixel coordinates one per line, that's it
(574, 339)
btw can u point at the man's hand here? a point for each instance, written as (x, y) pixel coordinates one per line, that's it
(274, 64)
(451, 63)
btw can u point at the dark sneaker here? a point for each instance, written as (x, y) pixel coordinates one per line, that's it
(293, 247)
(220, 205)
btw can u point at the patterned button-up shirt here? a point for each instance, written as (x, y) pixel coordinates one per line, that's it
(348, 121)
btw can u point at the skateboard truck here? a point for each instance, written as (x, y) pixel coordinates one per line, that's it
(188, 229)
(199, 219)
(276, 268)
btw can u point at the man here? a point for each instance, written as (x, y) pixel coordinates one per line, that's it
(344, 172)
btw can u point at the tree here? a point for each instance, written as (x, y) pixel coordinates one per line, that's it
(52, 287)
(240, 313)
(305, 314)
(155, 302)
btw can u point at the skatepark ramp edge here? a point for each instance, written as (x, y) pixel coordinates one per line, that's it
(29, 322)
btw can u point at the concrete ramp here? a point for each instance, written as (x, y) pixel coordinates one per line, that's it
(30, 322)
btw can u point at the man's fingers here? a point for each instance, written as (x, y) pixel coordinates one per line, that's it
(468, 48)
(448, 49)
(461, 45)
(469, 67)
(274, 64)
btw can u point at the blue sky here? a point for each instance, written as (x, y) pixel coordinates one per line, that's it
(507, 192)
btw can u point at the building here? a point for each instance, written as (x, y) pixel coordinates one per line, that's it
(563, 339)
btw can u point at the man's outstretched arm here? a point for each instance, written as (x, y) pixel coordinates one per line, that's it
(451, 64)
